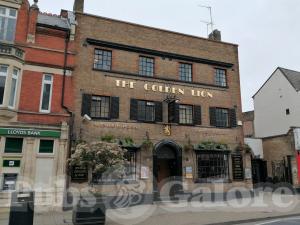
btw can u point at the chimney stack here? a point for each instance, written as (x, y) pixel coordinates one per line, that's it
(33, 16)
(215, 35)
(78, 6)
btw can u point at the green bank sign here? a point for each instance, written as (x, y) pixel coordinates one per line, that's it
(29, 132)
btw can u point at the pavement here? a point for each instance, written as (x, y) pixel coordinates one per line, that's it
(263, 209)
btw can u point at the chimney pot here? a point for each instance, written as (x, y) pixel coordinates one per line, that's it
(215, 35)
(78, 6)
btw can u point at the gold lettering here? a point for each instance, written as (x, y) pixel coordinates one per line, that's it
(160, 88)
(118, 83)
(174, 90)
(167, 89)
(209, 94)
(181, 91)
(203, 94)
(154, 88)
(146, 87)
(193, 92)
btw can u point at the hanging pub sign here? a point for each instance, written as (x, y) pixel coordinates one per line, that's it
(79, 174)
(237, 167)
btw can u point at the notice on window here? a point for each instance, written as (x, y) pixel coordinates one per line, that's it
(189, 172)
(144, 172)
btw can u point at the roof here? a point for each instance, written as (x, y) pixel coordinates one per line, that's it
(158, 29)
(292, 76)
(53, 21)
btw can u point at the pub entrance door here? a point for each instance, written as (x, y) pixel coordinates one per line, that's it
(167, 170)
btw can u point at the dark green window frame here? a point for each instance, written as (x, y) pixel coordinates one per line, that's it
(13, 145)
(46, 146)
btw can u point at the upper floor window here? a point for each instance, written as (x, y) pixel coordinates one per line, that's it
(3, 75)
(220, 77)
(46, 146)
(146, 111)
(185, 114)
(8, 20)
(100, 107)
(13, 88)
(185, 72)
(146, 66)
(103, 59)
(46, 95)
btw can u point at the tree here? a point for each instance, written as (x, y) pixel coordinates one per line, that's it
(99, 157)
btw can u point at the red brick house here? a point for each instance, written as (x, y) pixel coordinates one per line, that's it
(36, 63)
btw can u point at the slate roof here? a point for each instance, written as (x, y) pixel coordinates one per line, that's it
(53, 21)
(292, 76)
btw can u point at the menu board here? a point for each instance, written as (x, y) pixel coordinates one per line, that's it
(79, 174)
(237, 167)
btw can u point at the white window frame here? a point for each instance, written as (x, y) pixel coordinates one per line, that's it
(16, 77)
(51, 89)
(7, 16)
(5, 85)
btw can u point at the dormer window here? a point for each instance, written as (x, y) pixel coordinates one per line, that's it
(8, 20)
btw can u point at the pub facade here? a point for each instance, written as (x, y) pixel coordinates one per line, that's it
(176, 96)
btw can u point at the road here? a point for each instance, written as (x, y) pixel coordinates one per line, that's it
(285, 221)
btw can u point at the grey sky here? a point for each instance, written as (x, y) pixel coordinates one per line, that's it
(267, 31)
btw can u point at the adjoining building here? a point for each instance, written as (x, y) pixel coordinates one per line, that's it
(165, 88)
(36, 63)
(276, 121)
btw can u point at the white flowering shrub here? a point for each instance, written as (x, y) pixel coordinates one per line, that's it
(99, 157)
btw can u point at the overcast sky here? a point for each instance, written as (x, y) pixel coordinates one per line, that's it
(267, 31)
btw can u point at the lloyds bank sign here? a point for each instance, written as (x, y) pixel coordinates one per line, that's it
(29, 132)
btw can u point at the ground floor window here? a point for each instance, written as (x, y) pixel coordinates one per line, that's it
(13, 145)
(9, 182)
(46, 146)
(129, 173)
(212, 166)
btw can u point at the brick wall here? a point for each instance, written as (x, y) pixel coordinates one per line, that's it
(90, 81)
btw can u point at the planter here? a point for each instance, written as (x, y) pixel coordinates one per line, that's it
(87, 212)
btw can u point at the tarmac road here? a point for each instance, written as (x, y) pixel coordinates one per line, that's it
(285, 221)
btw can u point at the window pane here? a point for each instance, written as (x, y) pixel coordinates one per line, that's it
(46, 146)
(13, 145)
(2, 88)
(46, 97)
(100, 107)
(9, 182)
(222, 117)
(146, 66)
(102, 59)
(212, 166)
(220, 77)
(185, 114)
(13, 92)
(185, 72)
(146, 111)
(7, 24)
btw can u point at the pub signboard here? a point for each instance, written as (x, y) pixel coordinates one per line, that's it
(79, 174)
(237, 167)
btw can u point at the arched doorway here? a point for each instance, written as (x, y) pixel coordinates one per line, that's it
(167, 167)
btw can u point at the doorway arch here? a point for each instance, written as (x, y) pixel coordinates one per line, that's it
(167, 165)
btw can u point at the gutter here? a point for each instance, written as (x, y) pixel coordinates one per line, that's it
(71, 122)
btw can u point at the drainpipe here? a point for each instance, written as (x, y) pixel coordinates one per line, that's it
(71, 122)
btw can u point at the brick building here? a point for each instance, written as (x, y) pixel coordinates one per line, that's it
(176, 91)
(36, 63)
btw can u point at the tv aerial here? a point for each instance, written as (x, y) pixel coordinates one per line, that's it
(209, 24)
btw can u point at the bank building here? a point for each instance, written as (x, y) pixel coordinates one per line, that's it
(176, 96)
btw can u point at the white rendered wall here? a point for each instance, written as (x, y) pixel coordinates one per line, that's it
(256, 145)
(270, 105)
